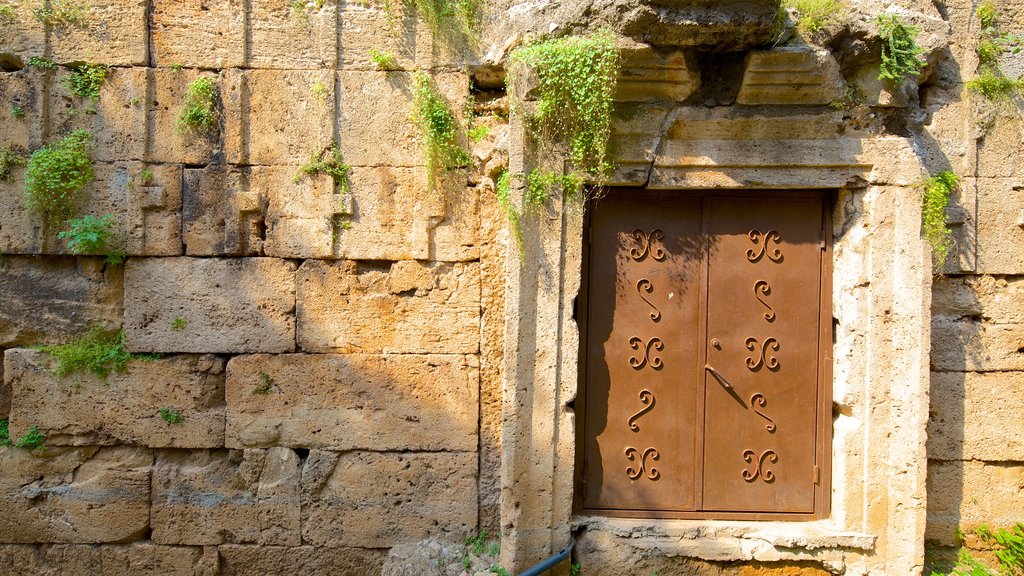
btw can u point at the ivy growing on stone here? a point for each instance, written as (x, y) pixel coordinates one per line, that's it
(86, 80)
(937, 191)
(55, 175)
(199, 113)
(899, 48)
(438, 128)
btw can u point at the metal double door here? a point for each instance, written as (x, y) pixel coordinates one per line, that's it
(704, 359)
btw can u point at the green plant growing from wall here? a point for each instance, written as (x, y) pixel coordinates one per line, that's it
(40, 62)
(179, 323)
(146, 178)
(452, 21)
(92, 235)
(300, 9)
(98, 352)
(327, 160)
(177, 66)
(9, 158)
(31, 440)
(199, 115)
(266, 386)
(384, 60)
(478, 132)
(1007, 546)
(17, 111)
(853, 96)
(899, 48)
(503, 190)
(55, 175)
(171, 416)
(937, 191)
(814, 15)
(992, 43)
(7, 15)
(62, 13)
(439, 130)
(86, 80)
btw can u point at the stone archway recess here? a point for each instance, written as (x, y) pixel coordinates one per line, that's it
(779, 137)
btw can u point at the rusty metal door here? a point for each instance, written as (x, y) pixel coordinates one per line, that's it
(704, 331)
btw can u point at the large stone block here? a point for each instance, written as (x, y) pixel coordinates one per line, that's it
(222, 214)
(799, 76)
(85, 410)
(1001, 224)
(650, 75)
(113, 32)
(304, 217)
(23, 38)
(367, 26)
(57, 299)
(989, 298)
(22, 115)
(146, 218)
(105, 560)
(353, 401)
(966, 494)
(999, 151)
(167, 140)
(971, 413)
(287, 36)
(221, 496)
(970, 344)
(74, 495)
(210, 305)
(378, 500)
(290, 115)
(407, 307)
(305, 560)
(197, 33)
(116, 121)
(374, 111)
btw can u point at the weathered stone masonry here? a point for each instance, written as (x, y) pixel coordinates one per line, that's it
(402, 405)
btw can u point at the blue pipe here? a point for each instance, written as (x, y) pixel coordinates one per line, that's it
(550, 562)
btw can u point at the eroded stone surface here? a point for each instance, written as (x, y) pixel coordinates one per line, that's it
(786, 75)
(214, 40)
(210, 305)
(1000, 225)
(966, 494)
(85, 410)
(377, 500)
(285, 35)
(970, 343)
(22, 91)
(55, 300)
(345, 307)
(112, 32)
(353, 401)
(222, 214)
(168, 140)
(27, 38)
(222, 496)
(105, 560)
(74, 495)
(970, 414)
(116, 120)
(304, 217)
(290, 115)
(305, 560)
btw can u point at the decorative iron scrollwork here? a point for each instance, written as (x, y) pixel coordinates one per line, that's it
(759, 401)
(638, 362)
(647, 399)
(645, 285)
(761, 242)
(759, 469)
(764, 358)
(762, 289)
(647, 240)
(644, 467)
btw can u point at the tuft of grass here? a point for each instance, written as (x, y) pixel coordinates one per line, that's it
(146, 178)
(300, 9)
(452, 21)
(477, 544)
(40, 62)
(199, 113)
(7, 15)
(478, 132)
(266, 386)
(541, 183)
(439, 129)
(992, 43)
(9, 157)
(99, 352)
(179, 323)
(86, 80)
(937, 191)
(899, 48)
(995, 86)
(62, 13)
(92, 235)
(32, 439)
(177, 66)
(852, 97)
(55, 175)
(17, 111)
(814, 15)
(171, 416)
(987, 14)
(502, 189)
(384, 60)
(328, 161)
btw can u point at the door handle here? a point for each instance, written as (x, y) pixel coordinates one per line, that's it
(718, 376)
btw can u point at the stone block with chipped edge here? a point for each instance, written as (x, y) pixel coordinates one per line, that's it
(970, 414)
(113, 32)
(790, 76)
(651, 75)
(305, 560)
(103, 560)
(25, 37)
(353, 401)
(962, 222)
(238, 306)
(116, 121)
(222, 215)
(201, 35)
(379, 499)
(304, 217)
(24, 91)
(74, 495)
(965, 494)
(85, 410)
(408, 307)
(293, 38)
(167, 140)
(53, 300)
(974, 344)
(146, 215)
(991, 298)
(375, 108)
(999, 151)
(1000, 224)
(290, 115)
(395, 217)
(226, 496)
